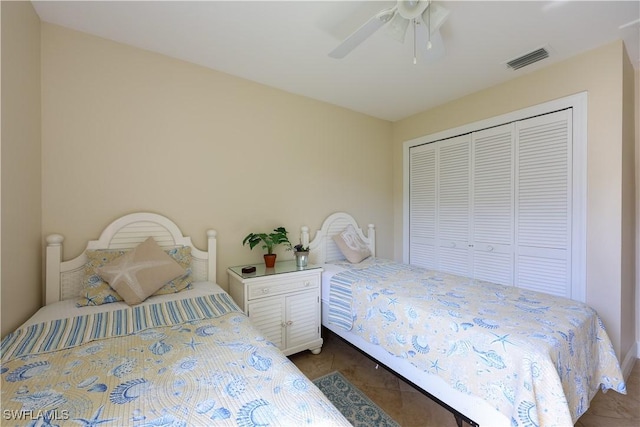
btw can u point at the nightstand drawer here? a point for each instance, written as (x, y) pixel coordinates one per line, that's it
(261, 290)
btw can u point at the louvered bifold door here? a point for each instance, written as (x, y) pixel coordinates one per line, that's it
(543, 203)
(453, 194)
(493, 210)
(422, 206)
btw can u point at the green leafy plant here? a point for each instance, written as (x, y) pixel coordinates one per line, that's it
(269, 241)
(300, 248)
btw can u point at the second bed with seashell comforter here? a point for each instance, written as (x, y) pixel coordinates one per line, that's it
(537, 358)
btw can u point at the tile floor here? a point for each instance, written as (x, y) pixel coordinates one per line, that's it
(410, 408)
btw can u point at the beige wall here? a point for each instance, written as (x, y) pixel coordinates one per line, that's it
(20, 281)
(628, 231)
(128, 130)
(637, 178)
(125, 130)
(600, 72)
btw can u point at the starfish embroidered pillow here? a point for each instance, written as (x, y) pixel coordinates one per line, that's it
(95, 291)
(139, 273)
(351, 245)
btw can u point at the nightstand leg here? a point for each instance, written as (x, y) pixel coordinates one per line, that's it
(315, 350)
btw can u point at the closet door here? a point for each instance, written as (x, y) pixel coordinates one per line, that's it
(493, 210)
(543, 203)
(422, 206)
(453, 209)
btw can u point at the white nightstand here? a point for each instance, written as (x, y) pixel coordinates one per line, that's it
(283, 302)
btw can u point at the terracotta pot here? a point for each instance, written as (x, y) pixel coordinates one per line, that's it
(269, 260)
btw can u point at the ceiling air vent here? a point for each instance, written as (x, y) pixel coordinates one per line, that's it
(528, 58)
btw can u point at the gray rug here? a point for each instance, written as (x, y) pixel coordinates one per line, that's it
(352, 403)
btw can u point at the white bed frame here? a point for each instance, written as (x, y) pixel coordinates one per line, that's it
(64, 278)
(470, 409)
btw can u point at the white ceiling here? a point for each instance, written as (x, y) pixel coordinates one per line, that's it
(284, 44)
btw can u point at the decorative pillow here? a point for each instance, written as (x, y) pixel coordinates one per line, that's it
(96, 291)
(182, 255)
(140, 272)
(351, 245)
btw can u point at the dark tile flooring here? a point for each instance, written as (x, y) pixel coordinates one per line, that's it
(411, 408)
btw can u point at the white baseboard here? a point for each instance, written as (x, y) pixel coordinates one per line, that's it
(629, 360)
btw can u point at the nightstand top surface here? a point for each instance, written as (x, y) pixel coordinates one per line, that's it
(280, 267)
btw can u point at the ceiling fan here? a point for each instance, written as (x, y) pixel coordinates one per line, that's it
(424, 16)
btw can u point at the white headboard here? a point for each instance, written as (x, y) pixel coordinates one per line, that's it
(64, 278)
(323, 249)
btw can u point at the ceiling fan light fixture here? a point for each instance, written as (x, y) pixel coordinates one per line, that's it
(425, 16)
(397, 27)
(411, 9)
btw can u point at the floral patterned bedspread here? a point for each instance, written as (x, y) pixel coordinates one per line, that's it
(193, 362)
(537, 358)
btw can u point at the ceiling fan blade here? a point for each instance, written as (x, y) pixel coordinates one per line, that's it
(362, 33)
(397, 27)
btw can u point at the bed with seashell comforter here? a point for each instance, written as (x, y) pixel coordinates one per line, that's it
(188, 358)
(492, 354)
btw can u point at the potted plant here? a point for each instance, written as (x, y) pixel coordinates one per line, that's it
(302, 255)
(269, 241)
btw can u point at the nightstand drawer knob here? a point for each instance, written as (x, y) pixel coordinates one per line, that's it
(265, 290)
(307, 283)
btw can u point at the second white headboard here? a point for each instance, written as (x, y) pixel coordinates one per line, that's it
(323, 249)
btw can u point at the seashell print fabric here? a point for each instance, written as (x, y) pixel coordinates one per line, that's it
(539, 359)
(198, 362)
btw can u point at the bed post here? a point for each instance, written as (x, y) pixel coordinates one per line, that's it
(211, 261)
(371, 235)
(52, 276)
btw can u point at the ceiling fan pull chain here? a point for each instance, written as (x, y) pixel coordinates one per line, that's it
(415, 28)
(429, 45)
